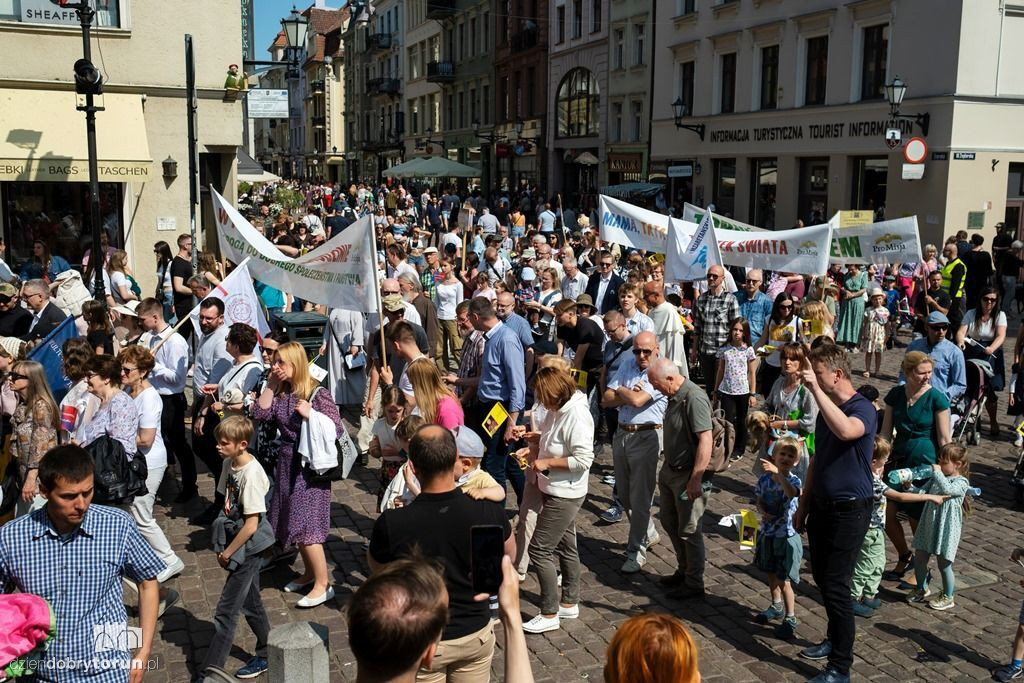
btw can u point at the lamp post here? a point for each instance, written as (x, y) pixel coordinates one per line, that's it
(894, 94)
(680, 112)
(490, 138)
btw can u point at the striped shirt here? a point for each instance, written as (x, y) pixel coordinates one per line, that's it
(469, 361)
(80, 576)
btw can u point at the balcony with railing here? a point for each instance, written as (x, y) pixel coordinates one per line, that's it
(378, 42)
(440, 72)
(440, 9)
(316, 87)
(524, 40)
(383, 86)
(318, 121)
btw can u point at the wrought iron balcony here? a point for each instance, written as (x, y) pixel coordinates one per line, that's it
(440, 9)
(383, 86)
(376, 42)
(440, 72)
(319, 121)
(316, 86)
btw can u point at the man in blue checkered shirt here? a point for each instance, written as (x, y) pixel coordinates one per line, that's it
(74, 555)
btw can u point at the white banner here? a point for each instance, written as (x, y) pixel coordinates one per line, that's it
(885, 242)
(694, 214)
(631, 226)
(241, 305)
(339, 273)
(691, 262)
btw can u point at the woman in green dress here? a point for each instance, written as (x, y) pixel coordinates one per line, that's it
(919, 414)
(851, 307)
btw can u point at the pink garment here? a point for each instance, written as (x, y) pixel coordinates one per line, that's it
(26, 622)
(449, 413)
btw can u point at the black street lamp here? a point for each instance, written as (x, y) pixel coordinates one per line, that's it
(894, 94)
(490, 138)
(680, 112)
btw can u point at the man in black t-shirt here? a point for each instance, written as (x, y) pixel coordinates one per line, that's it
(584, 337)
(935, 298)
(437, 523)
(181, 271)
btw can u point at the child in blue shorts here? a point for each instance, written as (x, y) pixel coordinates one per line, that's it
(779, 548)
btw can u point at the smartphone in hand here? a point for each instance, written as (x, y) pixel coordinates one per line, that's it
(487, 547)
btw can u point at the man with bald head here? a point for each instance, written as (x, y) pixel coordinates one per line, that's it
(668, 325)
(713, 312)
(688, 440)
(637, 445)
(755, 305)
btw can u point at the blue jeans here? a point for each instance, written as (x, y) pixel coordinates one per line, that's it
(497, 461)
(240, 597)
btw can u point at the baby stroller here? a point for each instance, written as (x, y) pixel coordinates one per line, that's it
(968, 411)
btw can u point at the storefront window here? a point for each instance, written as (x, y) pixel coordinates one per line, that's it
(46, 12)
(813, 199)
(764, 179)
(869, 184)
(725, 187)
(58, 214)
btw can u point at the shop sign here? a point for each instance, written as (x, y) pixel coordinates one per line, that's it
(681, 171)
(625, 163)
(913, 171)
(268, 103)
(940, 156)
(46, 12)
(849, 219)
(501, 150)
(73, 170)
(963, 156)
(658, 166)
(812, 131)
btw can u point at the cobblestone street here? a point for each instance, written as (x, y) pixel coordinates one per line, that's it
(901, 642)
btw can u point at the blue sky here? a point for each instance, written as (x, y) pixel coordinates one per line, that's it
(269, 14)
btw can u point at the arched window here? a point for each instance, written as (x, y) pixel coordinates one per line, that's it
(577, 105)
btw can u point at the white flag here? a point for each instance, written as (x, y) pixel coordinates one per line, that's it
(340, 273)
(691, 262)
(241, 305)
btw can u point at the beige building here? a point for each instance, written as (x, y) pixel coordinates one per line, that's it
(630, 51)
(789, 113)
(43, 153)
(422, 54)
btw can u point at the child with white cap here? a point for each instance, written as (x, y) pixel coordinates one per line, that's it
(473, 481)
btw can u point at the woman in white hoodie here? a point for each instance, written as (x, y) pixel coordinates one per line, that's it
(562, 460)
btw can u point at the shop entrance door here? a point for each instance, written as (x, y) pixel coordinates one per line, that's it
(869, 184)
(1013, 216)
(812, 201)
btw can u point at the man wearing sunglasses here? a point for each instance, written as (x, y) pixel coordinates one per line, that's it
(637, 444)
(949, 371)
(714, 310)
(604, 283)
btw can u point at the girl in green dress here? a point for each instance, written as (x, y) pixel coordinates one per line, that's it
(851, 308)
(938, 532)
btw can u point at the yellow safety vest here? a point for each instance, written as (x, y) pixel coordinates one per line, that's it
(947, 278)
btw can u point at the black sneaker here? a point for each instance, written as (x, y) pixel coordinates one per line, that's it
(1006, 673)
(186, 495)
(820, 651)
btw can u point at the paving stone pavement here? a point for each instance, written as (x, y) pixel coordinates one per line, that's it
(901, 642)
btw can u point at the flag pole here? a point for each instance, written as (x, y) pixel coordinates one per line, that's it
(371, 237)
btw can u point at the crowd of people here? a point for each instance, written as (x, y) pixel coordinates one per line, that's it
(512, 346)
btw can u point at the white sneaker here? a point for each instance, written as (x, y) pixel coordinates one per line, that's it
(1018, 442)
(654, 540)
(569, 612)
(172, 570)
(541, 624)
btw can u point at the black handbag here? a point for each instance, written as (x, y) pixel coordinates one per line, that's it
(118, 478)
(10, 487)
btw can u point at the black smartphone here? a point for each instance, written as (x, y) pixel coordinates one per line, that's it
(488, 546)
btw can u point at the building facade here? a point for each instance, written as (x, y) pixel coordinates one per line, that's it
(789, 115)
(630, 68)
(43, 155)
(521, 80)
(577, 100)
(422, 88)
(322, 93)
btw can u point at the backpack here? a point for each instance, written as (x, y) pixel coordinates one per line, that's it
(118, 479)
(723, 440)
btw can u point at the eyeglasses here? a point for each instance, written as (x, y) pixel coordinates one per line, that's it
(15, 376)
(645, 352)
(753, 282)
(785, 307)
(604, 265)
(713, 276)
(613, 330)
(989, 299)
(386, 292)
(125, 370)
(939, 328)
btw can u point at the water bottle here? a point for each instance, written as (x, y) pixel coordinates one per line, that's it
(903, 477)
(705, 487)
(974, 491)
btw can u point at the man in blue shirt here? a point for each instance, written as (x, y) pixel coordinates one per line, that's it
(74, 555)
(501, 381)
(949, 370)
(546, 219)
(755, 305)
(505, 309)
(837, 497)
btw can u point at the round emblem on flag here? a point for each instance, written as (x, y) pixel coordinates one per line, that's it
(238, 309)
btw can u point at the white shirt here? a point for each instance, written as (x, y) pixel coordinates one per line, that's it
(150, 408)
(602, 289)
(447, 297)
(171, 368)
(572, 287)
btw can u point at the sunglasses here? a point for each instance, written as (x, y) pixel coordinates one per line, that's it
(15, 376)
(989, 299)
(605, 265)
(753, 282)
(785, 307)
(939, 328)
(125, 370)
(645, 352)
(712, 276)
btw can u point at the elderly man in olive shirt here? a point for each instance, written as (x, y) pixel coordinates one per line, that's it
(687, 438)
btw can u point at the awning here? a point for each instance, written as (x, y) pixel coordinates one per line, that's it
(42, 137)
(627, 190)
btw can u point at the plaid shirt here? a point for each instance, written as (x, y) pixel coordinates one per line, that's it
(429, 279)
(80, 576)
(711, 318)
(469, 362)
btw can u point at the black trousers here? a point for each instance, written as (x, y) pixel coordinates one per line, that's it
(735, 411)
(205, 445)
(835, 537)
(172, 428)
(709, 367)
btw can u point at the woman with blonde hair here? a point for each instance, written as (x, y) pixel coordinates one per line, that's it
(435, 402)
(207, 266)
(120, 285)
(300, 509)
(562, 453)
(814, 315)
(33, 426)
(651, 647)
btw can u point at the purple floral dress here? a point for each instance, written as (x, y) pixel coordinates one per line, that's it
(300, 512)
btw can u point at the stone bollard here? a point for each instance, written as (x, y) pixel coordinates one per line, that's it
(298, 653)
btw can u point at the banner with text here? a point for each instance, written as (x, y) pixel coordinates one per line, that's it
(800, 250)
(632, 226)
(694, 214)
(339, 273)
(885, 242)
(690, 261)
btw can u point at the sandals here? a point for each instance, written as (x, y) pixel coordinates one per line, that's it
(905, 563)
